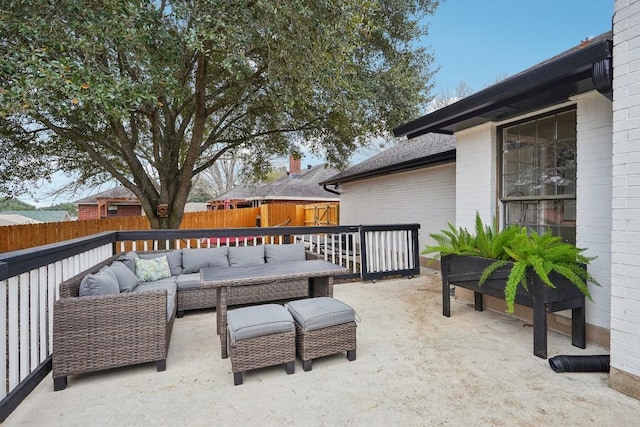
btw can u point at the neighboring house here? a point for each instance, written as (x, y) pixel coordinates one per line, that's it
(15, 219)
(412, 182)
(549, 148)
(298, 187)
(40, 215)
(113, 203)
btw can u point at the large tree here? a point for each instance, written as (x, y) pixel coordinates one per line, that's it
(151, 93)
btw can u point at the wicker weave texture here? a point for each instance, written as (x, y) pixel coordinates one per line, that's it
(102, 332)
(259, 352)
(325, 341)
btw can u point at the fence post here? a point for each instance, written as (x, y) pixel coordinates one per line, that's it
(363, 252)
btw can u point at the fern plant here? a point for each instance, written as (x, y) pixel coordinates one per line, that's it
(543, 253)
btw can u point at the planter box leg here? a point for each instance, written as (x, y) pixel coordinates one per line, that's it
(446, 295)
(539, 329)
(578, 334)
(477, 297)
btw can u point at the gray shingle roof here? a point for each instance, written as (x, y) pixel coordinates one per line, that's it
(42, 216)
(119, 192)
(303, 186)
(418, 152)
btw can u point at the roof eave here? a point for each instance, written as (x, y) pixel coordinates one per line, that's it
(574, 65)
(434, 160)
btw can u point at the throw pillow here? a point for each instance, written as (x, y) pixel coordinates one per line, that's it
(246, 255)
(150, 270)
(128, 259)
(174, 258)
(101, 283)
(285, 253)
(195, 259)
(127, 280)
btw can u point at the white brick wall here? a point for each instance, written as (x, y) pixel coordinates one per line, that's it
(476, 175)
(425, 196)
(625, 236)
(593, 198)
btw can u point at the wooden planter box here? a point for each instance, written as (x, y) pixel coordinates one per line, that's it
(465, 272)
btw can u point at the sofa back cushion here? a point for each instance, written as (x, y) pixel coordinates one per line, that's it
(285, 253)
(103, 282)
(246, 255)
(174, 258)
(128, 259)
(195, 259)
(149, 270)
(127, 280)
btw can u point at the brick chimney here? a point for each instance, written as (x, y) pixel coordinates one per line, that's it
(294, 165)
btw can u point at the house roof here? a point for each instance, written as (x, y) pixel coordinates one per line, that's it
(577, 70)
(119, 192)
(304, 186)
(426, 150)
(15, 219)
(41, 216)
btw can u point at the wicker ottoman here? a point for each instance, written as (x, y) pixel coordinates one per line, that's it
(259, 336)
(324, 326)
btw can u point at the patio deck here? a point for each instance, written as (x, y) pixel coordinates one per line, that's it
(414, 367)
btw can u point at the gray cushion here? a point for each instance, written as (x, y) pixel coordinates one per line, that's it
(101, 283)
(188, 281)
(285, 253)
(195, 259)
(174, 258)
(246, 255)
(318, 313)
(169, 284)
(128, 259)
(127, 280)
(257, 321)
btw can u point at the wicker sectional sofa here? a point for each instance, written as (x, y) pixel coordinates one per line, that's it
(98, 325)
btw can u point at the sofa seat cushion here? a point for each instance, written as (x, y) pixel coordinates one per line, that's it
(258, 321)
(169, 284)
(285, 253)
(188, 281)
(195, 259)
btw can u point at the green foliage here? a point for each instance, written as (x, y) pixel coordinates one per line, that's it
(15, 205)
(543, 253)
(154, 93)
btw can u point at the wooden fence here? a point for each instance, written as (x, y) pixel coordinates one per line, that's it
(16, 237)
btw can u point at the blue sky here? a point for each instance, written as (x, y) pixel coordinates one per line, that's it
(476, 41)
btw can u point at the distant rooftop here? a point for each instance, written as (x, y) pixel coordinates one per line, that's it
(429, 149)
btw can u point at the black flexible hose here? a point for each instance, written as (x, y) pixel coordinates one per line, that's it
(598, 363)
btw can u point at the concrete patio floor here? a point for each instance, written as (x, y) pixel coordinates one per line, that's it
(414, 367)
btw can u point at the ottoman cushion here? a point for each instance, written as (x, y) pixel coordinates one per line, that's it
(257, 321)
(322, 312)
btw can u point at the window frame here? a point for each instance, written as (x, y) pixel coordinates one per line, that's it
(504, 200)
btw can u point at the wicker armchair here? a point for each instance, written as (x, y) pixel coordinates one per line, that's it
(108, 331)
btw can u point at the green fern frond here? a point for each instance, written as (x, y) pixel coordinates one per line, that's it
(490, 270)
(516, 277)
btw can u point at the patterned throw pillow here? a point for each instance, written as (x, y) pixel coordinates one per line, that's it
(149, 270)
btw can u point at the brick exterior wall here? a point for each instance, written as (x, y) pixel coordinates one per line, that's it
(625, 237)
(91, 211)
(425, 196)
(593, 198)
(475, 175)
